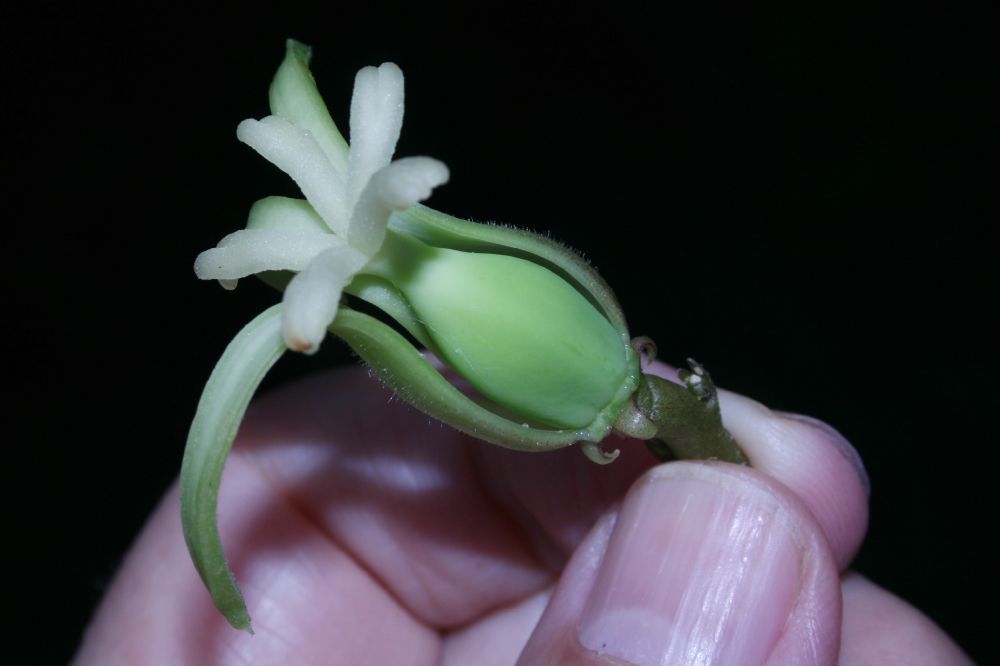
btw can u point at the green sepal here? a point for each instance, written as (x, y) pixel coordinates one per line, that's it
(223, 402)
(293, 95)
(416, 381)
(383, 295)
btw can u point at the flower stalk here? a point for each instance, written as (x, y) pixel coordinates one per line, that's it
(531, 326)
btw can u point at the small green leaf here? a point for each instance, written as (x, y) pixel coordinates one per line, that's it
(223, 402)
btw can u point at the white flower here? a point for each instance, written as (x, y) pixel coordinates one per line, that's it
(350, 193)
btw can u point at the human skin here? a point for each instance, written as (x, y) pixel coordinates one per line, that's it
(361, 532)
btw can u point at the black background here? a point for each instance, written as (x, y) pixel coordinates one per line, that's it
(796, 198)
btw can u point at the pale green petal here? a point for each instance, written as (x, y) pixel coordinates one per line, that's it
(285, 213)
(223, 402)
(294, 151)
(376, 120)
(293, 95)
(312, 297)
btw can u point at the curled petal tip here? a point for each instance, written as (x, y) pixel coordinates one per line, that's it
(410, 180)
(300, 336)
(312, 297)
(245, 130)
(597, 454)
(391, 76)
(387, 77)
(299, 344)
(201, 265)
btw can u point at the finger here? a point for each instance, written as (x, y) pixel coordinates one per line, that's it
(558, 496)
(880, 628)
(310, 602)
(705, 563)
(809, 457)
(813, 460)
(395, 490)
(496, 639)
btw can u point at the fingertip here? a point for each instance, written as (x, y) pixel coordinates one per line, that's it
(553, 640)
(881, 628)
(702, 559)
(810, 458)
(838, 442)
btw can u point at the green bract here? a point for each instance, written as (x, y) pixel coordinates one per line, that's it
(524, 320)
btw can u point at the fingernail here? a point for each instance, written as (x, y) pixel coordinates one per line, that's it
(839, 440)
(703, 567)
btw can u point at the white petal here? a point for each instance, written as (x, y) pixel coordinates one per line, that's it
(376, 119)
(395, 187)
(295, 152)
(251, 251)
(312, 297)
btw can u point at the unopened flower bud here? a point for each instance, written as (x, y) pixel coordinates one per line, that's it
(520, 334)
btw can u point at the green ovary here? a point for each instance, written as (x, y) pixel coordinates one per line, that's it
(520, 334)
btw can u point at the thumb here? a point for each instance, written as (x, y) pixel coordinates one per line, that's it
(704, 563)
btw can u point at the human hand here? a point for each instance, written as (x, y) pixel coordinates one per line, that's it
(362, 534)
